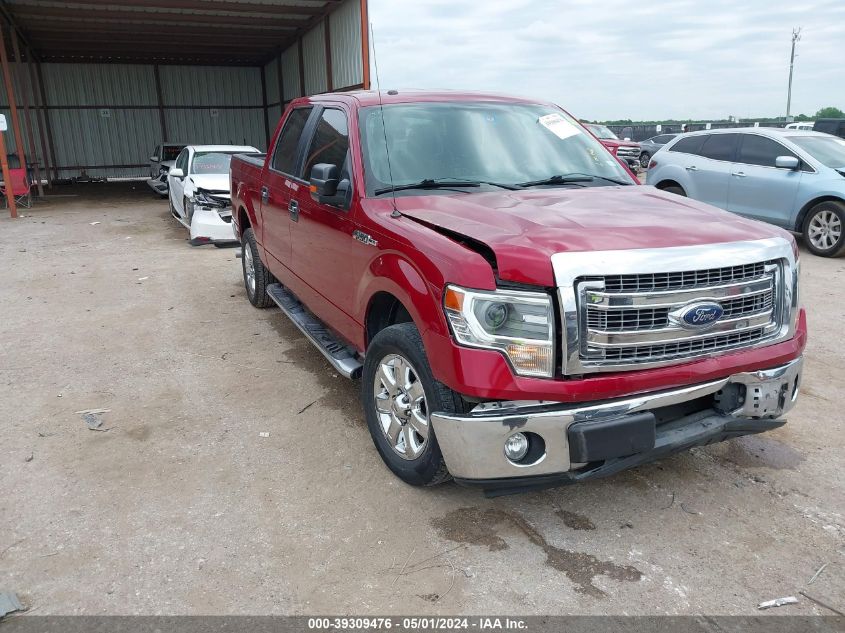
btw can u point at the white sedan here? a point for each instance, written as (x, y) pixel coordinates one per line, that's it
(199, 192)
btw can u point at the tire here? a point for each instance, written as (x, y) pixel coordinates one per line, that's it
(678, 191)
(645, 157)
(256, 283)
(422, 462)
(188, 214)
(172, 208)
(824, 229)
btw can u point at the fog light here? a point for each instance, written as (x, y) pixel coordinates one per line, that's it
(516, 446)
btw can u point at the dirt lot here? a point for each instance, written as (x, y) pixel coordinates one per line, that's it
(182, 507)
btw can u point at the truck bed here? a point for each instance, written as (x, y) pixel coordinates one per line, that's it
(253, 158)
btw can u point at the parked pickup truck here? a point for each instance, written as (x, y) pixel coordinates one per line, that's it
(521, 313)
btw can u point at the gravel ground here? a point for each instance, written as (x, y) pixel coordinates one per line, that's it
(179, 504)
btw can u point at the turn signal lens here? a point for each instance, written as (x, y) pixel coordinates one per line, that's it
(454, 299)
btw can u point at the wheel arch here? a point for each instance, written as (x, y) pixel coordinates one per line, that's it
(383, 310)
(394, 290)
(802, 214)
(663, 184)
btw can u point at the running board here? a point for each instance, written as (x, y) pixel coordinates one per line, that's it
(342, 357)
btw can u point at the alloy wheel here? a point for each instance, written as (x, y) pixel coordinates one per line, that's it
(249, 269)
(401, 406)
(825, 230)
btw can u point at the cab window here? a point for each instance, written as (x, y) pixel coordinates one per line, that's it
(330, 143)
(286, 155)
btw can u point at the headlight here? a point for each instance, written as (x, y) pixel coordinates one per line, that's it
(204, 199)
(518, 324)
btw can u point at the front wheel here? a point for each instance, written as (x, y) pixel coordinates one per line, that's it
(645, 157)
(399, 393)
(823, 229)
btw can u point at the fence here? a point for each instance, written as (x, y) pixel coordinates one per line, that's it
(643, 132)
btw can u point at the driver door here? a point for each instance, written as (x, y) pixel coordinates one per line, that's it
(759, 189)
(325, 255)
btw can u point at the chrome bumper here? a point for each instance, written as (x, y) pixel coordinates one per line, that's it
(473, 444)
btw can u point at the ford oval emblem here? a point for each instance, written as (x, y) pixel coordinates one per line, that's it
(699, 315)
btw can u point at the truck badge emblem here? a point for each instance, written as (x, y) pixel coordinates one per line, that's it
(697, 315)
(364, 238)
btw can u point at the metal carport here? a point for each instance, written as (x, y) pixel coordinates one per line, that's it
(99, 83)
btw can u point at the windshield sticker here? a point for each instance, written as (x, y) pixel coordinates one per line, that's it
(558, 126)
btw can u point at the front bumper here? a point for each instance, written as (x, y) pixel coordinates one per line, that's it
(587, 441)
(158, 185)
(207, 227)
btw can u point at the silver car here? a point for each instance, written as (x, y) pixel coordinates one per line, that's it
(649, 147)
(792, 178)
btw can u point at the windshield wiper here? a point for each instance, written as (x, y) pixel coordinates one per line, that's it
(443, 183)
(570, 179)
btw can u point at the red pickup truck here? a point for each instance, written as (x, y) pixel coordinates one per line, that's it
(520, 311)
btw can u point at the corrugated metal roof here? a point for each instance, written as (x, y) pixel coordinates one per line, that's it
(165, 31)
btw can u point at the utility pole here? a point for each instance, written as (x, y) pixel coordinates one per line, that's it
(796, 35)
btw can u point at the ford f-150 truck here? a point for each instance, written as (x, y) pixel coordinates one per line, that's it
(520, 311)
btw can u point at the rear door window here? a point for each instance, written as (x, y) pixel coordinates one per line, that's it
(719, 147)
(760, 150)
(286, 154)
(690, 144)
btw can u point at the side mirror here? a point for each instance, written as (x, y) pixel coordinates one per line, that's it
(787, 162)
(176, 172)
(324, 180)
(627, 138)
(154, 159)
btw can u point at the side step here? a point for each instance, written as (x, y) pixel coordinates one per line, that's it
(343, 358)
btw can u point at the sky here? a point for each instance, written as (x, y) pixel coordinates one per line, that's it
(615, 59)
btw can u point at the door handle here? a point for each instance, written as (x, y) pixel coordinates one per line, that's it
(293, 208)
(265, 194)
(692, 168)
(738, 174)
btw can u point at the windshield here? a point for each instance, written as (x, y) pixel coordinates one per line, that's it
(601, 131)
(211, 163)
(504, 143)
(828, 150)
(170, 152)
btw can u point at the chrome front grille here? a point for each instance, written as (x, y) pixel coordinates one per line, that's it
(649, 282)
(634, 318)
(630, 309)
(628, 152)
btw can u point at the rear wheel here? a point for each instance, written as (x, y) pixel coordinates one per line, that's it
(645, 157)
(256, 276)
(824, 229)
(399, 393)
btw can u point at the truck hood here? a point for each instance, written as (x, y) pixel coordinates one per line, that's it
(609, 142)
(524, 229)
